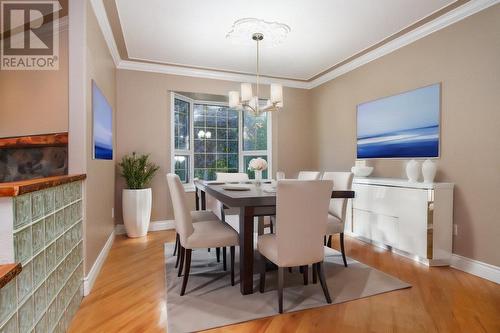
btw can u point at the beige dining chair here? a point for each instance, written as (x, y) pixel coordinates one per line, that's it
(280, 175)
(202, 234)
(338, 208)
(309, 175)
(301, 214)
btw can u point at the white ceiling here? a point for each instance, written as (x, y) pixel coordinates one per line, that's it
(323, 32)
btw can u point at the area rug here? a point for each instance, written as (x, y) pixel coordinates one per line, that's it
(210, 300)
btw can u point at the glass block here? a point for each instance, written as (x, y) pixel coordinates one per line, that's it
(59, 222)
(50, 229)
(48, 201)
(25, 316)
(22, 244)
(38, 235)
(79, 210)
(24, 282)
(66, 193)
(52, 315)
(7, 300)
(10, 326)
(68, 220)
(50, 256)
(40, 301)
(39, 268)
(78, 189)
(59, 249)
(22, 210)
(58, 197)
(67, 239)
(41, 326)
(37, 205)
(51, 286)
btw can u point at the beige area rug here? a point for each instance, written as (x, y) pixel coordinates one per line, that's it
(210, 300)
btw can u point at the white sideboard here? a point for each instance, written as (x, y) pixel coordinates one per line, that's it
(413, 219)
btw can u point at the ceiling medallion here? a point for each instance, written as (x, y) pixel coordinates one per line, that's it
(243, 29)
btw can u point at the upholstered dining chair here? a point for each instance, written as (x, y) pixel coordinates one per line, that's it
(309, 175)
(280, 175)
(202, 234)
(338, 208)
(295, 242)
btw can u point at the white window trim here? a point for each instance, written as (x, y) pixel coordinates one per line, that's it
(189, 187)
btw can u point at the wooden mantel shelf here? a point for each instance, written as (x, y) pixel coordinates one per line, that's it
(8, 272)
(31, 141)
(13, 189)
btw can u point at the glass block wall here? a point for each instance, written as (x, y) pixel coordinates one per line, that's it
(48, 242)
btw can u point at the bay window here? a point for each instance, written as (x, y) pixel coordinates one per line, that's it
(210, 137)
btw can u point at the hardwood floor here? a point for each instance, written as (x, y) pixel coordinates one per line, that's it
(129, 296)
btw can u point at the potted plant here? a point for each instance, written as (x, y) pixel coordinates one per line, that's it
(136, 198)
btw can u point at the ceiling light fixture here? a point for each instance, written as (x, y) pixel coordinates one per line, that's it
(246, 100)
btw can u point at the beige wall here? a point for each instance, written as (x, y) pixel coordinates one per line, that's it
(36, 102)
(100, 182)
(465, 58)
(143, 125)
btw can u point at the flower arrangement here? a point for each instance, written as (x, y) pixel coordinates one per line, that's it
(257, 164)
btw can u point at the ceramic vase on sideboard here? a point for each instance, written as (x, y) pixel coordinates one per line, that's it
(136, 206)
(412, 171)
(429, 171)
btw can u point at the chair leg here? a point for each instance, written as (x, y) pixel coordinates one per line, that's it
(289, 269)
(231, 249)
(176, 244)
(322, 280)
(178, 255)
(281, 275)
(217, 252)
(224, 258)
(305, 272)
(301, 269)
(181, 264)
(315, 274)
(329, 243)
(262, 271)
(186, 271)
(271, 227)
(324, 240)
(342, 249)
(208, 249)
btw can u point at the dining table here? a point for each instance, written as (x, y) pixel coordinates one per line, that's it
(253, 200)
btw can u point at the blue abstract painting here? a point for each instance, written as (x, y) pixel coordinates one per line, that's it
(103, 125)
(400, 126)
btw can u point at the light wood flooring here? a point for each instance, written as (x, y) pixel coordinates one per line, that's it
(129, 296)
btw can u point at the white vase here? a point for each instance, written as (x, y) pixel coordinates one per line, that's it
(412, 171)
(136, 207)
(429, 171)
(258, 176)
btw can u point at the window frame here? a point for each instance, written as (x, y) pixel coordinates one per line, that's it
(189, 186)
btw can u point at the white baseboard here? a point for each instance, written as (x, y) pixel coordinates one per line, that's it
(475, 267)
(88, 281)
(153, 226)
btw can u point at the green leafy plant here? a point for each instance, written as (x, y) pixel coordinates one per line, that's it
(137, 171)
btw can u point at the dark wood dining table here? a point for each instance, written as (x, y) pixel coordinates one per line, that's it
(259, 200)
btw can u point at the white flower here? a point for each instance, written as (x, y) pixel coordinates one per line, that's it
(257, 164)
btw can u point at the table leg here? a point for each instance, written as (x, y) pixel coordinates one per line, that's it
(246, 250)
(197, 198)
(203, 201)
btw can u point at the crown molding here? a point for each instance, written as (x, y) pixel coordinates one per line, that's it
(204, 73)
(102, 20)
(439, 23)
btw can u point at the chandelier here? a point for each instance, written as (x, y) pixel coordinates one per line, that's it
(246, 100)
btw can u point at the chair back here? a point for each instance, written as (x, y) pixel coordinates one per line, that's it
(301, 216)
(182, 214)
(280, 175)
(309, 175)
(231, 177)
(341, 181)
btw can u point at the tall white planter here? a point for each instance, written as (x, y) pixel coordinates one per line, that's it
(136, 206)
